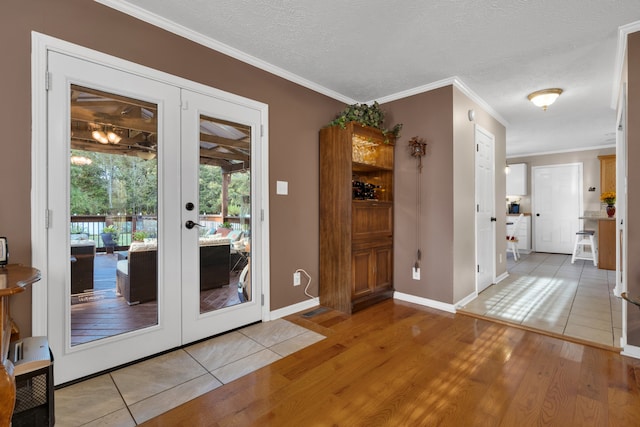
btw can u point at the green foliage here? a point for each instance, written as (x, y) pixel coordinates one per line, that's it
(110, 229)
(367, 115)
(139, 236)
(226, 224)
(113, 184)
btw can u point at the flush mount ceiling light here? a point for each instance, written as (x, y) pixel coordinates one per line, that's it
(544, 98)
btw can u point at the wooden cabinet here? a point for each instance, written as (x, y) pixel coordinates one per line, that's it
(517, 180)
(607, 173)
(356, 217)
(607, 244)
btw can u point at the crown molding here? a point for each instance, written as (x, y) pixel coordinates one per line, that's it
(572, 150)
(623, 32)
(451, 81)
(196, 37)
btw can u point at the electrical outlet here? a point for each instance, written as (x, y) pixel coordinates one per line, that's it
(416, 273)
(296, 278)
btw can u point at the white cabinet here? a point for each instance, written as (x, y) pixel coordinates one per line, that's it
(523, 233)
(517, 180)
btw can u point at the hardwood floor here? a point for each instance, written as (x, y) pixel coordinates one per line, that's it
(399, 364)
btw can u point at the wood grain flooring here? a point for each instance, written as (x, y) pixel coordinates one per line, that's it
(399, 364)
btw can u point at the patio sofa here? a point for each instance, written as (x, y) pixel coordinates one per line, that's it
(83, 252)
(137, 276)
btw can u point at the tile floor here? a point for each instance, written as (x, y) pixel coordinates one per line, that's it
(548, 293)
(134, 394)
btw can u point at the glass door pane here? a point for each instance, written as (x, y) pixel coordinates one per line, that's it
(224, 213)
(114, 214)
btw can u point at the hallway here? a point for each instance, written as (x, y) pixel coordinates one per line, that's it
(546, 293)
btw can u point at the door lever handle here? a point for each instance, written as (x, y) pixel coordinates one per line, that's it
(190, 224)
(493, 219)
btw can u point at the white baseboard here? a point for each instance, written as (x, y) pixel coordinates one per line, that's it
(295, 308)
(466, 300)
(501, 277)
(438, 305)
(631, 351)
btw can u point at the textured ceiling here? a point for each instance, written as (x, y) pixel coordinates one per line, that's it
(364, 50)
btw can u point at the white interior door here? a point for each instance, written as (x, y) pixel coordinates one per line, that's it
(557, 206)
(84, 98)
(220, 141)
(485, 208)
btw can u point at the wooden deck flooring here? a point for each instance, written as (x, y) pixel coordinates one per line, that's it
(399, 364)
(102, 313)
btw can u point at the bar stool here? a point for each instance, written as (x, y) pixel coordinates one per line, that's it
(585, 239)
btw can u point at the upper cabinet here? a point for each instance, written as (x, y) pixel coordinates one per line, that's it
(607, 173)
(517, 180)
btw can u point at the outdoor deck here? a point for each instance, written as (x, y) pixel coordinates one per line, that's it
(102, 312)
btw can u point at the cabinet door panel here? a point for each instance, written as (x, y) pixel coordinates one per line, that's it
(372, 220)
(361, 269)
(383, 267)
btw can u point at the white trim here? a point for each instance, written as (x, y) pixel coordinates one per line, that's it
(294, 308)
(623, 32)
(570, 150)
(451, 81)
(449, 308)
(194, 36)
(631, 351)
(466, 300)
(501, 277)
(39, 295)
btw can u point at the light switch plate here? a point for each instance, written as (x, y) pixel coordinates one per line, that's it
(416, 273)
(282, 188)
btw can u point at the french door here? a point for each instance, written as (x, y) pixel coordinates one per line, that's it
(140, 176)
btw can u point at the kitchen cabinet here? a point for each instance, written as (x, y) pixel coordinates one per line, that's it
(607, 244)
(356, 217)
(607, 173)
(523, 233)
(517, 183)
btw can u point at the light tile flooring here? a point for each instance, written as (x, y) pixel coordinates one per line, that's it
(136, 393)
(548, 293)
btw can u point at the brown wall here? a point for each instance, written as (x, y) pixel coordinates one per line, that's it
(633, 191)
(295, 116)
(447, 230)
(428, 116)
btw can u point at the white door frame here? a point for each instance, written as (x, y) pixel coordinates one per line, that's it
(489, 248)
(41, 44)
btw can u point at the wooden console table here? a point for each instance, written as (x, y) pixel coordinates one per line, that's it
(14, 278)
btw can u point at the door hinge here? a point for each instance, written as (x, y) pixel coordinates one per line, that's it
(478, 208)
(262, 300)
(478, 268)
(184, 105)
(261, 214)
(261, 131)
(477, 147)
(47, 217)
(47, 80)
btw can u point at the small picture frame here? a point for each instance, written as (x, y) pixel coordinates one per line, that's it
(4, 251)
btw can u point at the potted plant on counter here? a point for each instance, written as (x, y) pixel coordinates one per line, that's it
(609, 199)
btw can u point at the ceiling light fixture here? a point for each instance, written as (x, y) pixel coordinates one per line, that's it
(100, 136)
(113, 137)
(80, 161)
(544, 98)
